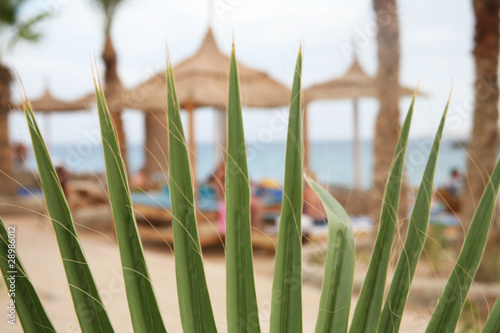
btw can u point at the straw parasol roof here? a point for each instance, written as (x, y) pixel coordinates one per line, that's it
(201, 80)
(47, 103)
(354, 84)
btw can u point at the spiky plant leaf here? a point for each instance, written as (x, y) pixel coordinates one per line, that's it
(242, 312)
(369, 304)
(286, 301)
(447, 312)
(392, 313)
(25, 299)
(142, 303)
(194, 300)
(90, 311)
(493, 322)
(336, 292)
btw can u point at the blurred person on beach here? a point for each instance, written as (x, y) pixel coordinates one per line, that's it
(20, 155)
(451, 192)
(218, 180)
(456, 183)
(140, 181)
(62, 174)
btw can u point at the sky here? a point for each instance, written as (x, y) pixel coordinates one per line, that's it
(436, 45)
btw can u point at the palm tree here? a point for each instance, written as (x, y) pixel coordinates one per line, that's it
(387, 124)
(112, 82)
(484, 137)
(13, 30)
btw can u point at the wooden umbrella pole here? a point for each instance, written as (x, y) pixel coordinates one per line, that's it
(192, 145)
(156, 142)
(357, 146)
(306, 141)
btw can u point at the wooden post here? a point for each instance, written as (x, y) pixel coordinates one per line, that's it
(156, 144)
(221, 135)
(357, 146)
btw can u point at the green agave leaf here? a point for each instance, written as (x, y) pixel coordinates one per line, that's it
(27, 303)
(286, 301)
(336, 292)
(142, 303)
(392, 313)
(447, 312)
(194, 300)
(368, 308)
(90, 311)
(242, 311)
(493, 322)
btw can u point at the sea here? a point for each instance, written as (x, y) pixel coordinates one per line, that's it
(331, 162)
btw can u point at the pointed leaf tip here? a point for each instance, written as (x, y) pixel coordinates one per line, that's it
(242, 309)
(143, 307)
(415, 93)
(286, 308)
(194, 301)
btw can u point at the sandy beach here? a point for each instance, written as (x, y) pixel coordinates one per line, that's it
(37, 247)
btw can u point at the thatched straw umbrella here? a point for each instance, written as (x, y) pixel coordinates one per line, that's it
(48, 104)
(354, 84)
(201, 80)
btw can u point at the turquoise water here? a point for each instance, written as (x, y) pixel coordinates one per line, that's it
(332, 162)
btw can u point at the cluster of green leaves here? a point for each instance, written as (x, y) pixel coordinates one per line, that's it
(108, 9)
(374, 312)
(14, 28)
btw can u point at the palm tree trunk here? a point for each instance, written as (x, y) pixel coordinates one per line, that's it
(484, 138)
(387, 124)
(112, 86)
(7, 185)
